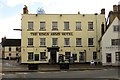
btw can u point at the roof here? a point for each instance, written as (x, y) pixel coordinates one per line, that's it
(108, 28)
(11, 42)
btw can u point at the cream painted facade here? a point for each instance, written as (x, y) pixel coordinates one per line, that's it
(84, 33)
(11, 54)
(109, 50)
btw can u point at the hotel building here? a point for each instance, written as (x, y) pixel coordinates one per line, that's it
(46, 38)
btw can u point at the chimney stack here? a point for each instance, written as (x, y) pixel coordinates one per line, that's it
(115, 8)
(103, 11)
(119, 8)
(25, 10)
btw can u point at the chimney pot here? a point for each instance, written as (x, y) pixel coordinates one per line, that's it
(25, 10)
(115, 8)
(103, 11)
(119, 8)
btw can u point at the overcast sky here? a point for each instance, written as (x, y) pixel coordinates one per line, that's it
(11, 10)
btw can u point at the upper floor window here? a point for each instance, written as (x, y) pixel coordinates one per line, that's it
(30, 25)
(42, 41)
(115, 42)
(90, 41)
(54, 26)
(66, 41)
(30, 41)
(90, 25)
(30, 56)
(78, 41)
(42, 25)
(9, 48)
(78, 26)
(54, 41)
(116, 28)
(17, 49)
(66, 26)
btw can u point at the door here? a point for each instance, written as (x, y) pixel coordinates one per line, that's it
(36, 57)
(108, 57)
(53, 56)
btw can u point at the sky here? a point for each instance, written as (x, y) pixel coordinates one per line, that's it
(11, 10)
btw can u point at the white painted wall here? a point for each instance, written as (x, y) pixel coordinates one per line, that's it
(106, 42)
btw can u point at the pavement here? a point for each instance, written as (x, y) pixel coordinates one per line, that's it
(13, 66)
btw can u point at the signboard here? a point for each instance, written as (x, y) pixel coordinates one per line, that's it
(51, 33)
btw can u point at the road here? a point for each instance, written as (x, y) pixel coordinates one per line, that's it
(106, 73)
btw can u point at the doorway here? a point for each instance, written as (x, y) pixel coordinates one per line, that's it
(108, 58)
(53, 55)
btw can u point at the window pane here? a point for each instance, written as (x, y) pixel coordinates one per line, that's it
(117, 56)
(9, 48)
(54, 26)
(30, 25)
(30, 41)
(78, 25)
(90, 41)
(42, 55)
(67, 55)
(90, 25)
(94, 55)
(115, 42)
(42, 41)
(42, 25)
(116, 27)
(30, 55)
(66, 25)
(78, 41)
(66, 41)
(82, 57)
(54, 41)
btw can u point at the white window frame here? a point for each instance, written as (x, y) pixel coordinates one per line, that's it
(30, 41)
(66, 25)
(30, 25)
(78, 26)
(42, 25)
(66, 41)
(54, 41)
(90, 25)
(54, 25)
(42, 41)
(78, 41)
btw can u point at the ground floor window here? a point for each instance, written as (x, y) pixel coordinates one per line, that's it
(74, 56)
(117, 56)
(42, 55)
(30, 55)
(82, 56)
(94, 55)
(67, 55)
